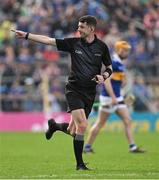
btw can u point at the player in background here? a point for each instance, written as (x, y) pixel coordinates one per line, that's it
(111, 100)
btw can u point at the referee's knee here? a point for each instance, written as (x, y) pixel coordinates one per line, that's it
(82, 127)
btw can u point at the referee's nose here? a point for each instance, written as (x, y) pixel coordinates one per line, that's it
(79, 29)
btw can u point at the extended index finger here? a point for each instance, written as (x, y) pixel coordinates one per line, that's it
(13, 30)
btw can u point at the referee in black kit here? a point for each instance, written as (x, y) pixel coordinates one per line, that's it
(88, 53)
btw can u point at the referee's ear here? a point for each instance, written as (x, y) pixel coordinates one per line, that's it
(92, 28)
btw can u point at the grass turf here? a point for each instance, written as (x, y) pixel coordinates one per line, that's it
(29, 155)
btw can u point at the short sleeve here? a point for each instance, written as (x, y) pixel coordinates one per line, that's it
(106, 56)
(64, 44)
(115, 65)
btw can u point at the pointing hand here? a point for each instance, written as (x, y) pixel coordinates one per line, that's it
(19, 34)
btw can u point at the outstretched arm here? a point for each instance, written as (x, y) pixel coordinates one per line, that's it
(109, 88)
(35, 37)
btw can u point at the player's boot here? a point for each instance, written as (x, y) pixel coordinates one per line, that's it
(137, 150)
(82, 167)
(51, 129)
(88, 149)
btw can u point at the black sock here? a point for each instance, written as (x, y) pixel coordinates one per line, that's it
(78, 142)
(62, 127)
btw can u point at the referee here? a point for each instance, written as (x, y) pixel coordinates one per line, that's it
(88, 53)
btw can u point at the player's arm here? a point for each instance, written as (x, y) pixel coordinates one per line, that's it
(109, 88)
(124, 82)
(35, 37)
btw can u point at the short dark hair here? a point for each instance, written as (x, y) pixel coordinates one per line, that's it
(90, 20)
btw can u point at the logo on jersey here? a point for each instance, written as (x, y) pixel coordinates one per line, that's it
(98, 54)
(78, 51)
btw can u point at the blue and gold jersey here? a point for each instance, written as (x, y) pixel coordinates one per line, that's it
(117, 76)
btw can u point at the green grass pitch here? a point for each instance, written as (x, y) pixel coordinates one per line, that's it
(29, 155)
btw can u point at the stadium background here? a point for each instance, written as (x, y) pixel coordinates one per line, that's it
(32, 78)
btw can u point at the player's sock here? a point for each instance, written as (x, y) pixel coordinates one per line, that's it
(88, 148)
(78, 142)
(132, 147)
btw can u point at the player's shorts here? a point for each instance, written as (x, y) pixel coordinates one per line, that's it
(106, 104)
(79, 98)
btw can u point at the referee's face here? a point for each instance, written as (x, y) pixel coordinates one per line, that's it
(84, 29)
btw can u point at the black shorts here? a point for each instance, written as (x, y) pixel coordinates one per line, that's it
(79, 98)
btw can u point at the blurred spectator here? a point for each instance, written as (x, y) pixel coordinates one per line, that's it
(7, 76)
(113, 35)
(143, 95)
(56, 89)
(50, 54)
(151, 18)
(151, 44)
(25, 56)
(132, 36)
(141, 54)
(122, 14)
(54, 104)
(24, 71)
(16, 96)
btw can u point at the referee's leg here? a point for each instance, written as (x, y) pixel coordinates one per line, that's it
(80, 121)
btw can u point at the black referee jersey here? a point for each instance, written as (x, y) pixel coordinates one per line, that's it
(86, 59)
